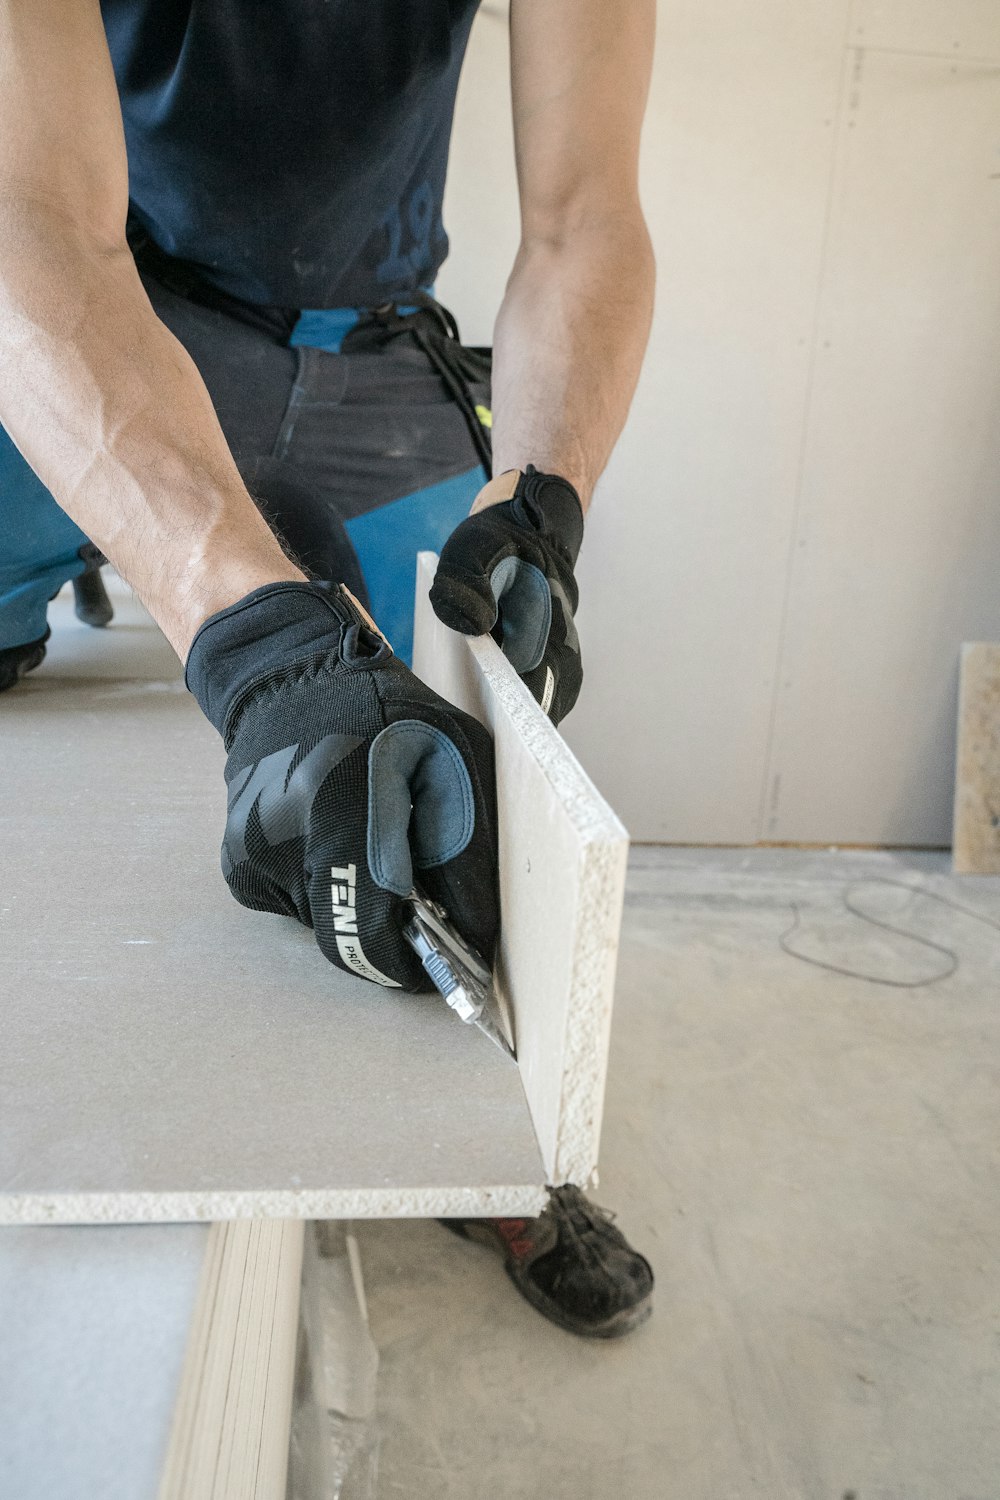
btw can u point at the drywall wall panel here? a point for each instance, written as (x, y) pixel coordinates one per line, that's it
(168, 1054)
(962, 29)
(95, 1323)
(898, 535)
(562, 887)
(682, 571)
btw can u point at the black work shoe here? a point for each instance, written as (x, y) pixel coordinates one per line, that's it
(15, 661)
(572, 1264)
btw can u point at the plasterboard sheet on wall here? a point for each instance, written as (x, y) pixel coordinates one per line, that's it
(683, 567)
(897, 540)
(168, 1054)
(958, 29)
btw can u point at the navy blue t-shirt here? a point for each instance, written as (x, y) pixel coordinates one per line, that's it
(293, 151)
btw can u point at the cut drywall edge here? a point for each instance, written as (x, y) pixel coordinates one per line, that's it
(522, 1199)
(588, 1027)
(580, 799)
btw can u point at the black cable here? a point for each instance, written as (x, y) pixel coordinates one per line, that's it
(898, 984)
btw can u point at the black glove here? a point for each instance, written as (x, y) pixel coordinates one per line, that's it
(508, 569)
(332, 742)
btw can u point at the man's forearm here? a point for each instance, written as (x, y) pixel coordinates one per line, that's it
(111, 412)
(569, 343)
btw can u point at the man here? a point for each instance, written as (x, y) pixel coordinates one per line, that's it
(219, 229)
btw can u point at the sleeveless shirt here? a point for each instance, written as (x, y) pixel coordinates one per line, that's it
(292, 152)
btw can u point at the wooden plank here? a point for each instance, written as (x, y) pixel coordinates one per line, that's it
(95, 1323)
(894, 562)
(231, 1424)
(976, 839)
(562, 880)
(169, 1055)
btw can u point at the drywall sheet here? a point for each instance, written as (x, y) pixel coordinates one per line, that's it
(898, 533)
(229, 1439)
(683, 567)
(562, 887)
(976, 840)
(95, 1323)
(168, 1054)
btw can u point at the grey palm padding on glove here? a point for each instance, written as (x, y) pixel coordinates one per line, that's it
(507, 570)
(348, 779)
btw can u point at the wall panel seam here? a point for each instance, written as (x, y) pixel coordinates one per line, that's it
(848, 52)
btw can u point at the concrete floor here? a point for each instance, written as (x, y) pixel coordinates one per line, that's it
(812, 1163)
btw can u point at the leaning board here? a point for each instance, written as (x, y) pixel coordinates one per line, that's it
(976, 829)
(170, 1056)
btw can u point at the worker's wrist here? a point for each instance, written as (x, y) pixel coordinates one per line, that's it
(571, 466)
(190, 562)
(281, 625)
(542, 501)
(206, 590)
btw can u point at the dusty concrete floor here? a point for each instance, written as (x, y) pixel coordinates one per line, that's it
(812, 1163)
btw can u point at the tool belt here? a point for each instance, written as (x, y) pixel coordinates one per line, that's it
(433, 329)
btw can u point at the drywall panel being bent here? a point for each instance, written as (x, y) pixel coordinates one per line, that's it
(168, 1055)
(562, 885)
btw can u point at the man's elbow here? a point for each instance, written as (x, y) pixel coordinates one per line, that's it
(598, 228)
(32, 217)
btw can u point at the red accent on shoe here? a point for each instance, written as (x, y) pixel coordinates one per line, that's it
(512, 1232)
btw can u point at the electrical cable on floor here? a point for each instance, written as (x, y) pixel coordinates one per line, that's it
(898, 984)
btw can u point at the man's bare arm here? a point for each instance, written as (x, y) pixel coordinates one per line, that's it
(101, 399)
(573, 327)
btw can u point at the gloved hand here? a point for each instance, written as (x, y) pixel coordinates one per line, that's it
(508, 569)
(331, 740)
